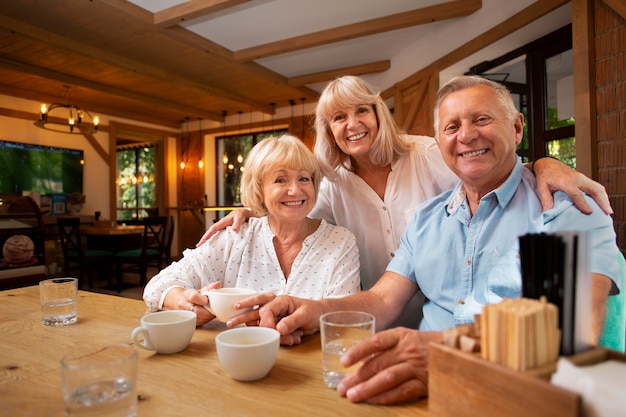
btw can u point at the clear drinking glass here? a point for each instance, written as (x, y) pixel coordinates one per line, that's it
(339, 332)
(58, 297)
(100, 381)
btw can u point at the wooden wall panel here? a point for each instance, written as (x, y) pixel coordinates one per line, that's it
(414, 102)
(191, 225)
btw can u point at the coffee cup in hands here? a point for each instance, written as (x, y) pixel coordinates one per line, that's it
(222, 302)
(248, 353)
(165, 332)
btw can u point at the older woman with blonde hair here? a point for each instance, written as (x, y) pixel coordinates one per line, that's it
(281, 252)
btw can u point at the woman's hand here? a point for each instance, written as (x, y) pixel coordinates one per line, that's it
(190, 299)
(235, 219)
(553, 175)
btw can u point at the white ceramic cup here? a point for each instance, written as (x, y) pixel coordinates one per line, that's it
(222, 302)
(248, 353)
(165, 331)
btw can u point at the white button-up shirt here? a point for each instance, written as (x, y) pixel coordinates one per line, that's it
(379, 224)
(327, 265)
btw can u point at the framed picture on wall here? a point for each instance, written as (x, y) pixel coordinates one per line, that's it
(58, 204)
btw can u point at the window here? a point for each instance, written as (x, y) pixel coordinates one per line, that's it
(136, 191)
(540, 76)
(558, 130)
(231, 153)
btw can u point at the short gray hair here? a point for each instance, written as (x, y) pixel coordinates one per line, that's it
(505, 100)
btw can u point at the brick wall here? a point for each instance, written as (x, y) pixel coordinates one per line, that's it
(610, 50)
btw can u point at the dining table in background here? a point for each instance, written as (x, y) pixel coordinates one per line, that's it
(188, 383)
(112, 230)
(113, 237)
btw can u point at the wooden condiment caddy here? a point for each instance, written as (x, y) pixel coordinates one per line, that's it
(464, 384)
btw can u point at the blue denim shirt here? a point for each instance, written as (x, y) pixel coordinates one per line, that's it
(462, 262)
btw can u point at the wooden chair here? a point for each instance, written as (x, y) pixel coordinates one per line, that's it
(150, 253)
(167, 249)
(75, 252)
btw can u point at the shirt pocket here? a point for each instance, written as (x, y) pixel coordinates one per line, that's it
(504, 280)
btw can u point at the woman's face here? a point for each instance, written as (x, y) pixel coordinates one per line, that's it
(289, 194)
(354, 129)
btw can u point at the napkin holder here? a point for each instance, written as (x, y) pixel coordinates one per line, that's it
(464, 384)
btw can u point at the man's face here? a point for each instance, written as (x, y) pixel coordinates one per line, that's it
(477, 138)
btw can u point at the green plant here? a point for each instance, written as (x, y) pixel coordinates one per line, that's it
(76, 198)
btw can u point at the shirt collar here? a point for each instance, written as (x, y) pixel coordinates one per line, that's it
(504, 193)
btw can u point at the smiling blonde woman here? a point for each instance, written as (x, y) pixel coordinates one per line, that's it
(281, 252)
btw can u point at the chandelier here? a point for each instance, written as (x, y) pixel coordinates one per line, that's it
(75, 116)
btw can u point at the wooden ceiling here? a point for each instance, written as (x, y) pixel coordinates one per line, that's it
(124, 61)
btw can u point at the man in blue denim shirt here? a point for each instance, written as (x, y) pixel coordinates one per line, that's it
(461, 248)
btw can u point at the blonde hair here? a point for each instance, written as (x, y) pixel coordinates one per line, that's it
(348, 92)
(504, 98)
(284, 151)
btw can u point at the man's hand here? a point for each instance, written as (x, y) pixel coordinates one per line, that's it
(235, 219)
(395, 367)
(553, 175)
(293, 317)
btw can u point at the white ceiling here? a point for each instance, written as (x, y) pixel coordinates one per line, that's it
(259, 22)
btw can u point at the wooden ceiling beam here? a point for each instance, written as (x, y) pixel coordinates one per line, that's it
(523, 18)
(37, 96)
(167, 20)
(193, 40)
(449, 10)
(323, 76)
(130, 9)
(197, 8)
(71, 45)
(93, 85)
(618, 6)
(192, 9)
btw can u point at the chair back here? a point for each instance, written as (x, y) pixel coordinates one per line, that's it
(153, 235)
(167, 250)
(69, 234)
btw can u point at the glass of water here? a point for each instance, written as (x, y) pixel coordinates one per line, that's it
(340, 331)
(100, 381)
(58, 297)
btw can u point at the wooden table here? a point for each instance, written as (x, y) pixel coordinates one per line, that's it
(113, 238)
(188, 383)
(118, 230)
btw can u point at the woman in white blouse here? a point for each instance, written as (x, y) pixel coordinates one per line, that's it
(282, 252)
